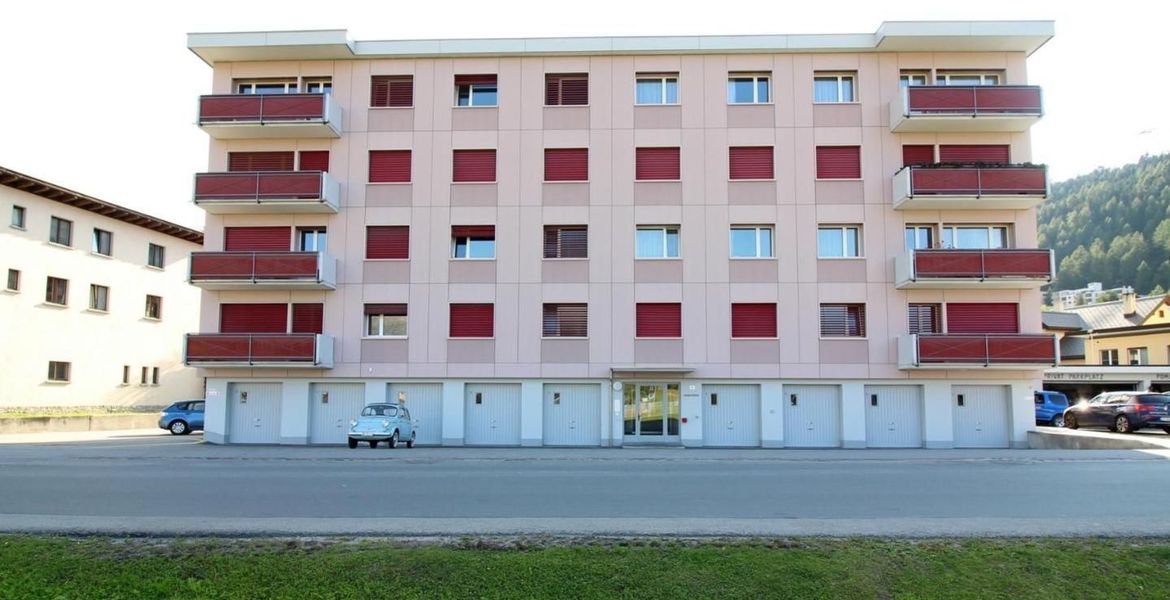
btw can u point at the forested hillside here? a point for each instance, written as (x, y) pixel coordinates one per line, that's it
(1112, 226)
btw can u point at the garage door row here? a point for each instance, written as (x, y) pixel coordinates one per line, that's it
(574, 414)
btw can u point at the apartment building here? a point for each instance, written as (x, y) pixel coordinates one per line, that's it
(777, 241)
(95, 302)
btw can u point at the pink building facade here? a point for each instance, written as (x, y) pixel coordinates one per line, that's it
(777, 241)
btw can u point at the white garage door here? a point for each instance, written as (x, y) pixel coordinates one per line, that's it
(572, 414)
(731, 415)
(893, 416)
(981, 416)
(425, 403)
(331, 407)
(254, 413)
(812, 416)
(491, 414)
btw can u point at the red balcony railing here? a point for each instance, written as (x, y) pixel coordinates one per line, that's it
(998, 100)
(986, 349)
(978, 181)
(254, 266)
(983, 264)
(262, 108)
(250, 348)
(259, 186)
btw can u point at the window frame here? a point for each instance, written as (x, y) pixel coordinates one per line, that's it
(952, 229)
(666, 230)
(12, 282)
(382, 319)
(906, 76)
(662, 79)
(918, 228)
(57, 225)
(62, 373)
(545, 315)
(560, 79)
(238, 85)
(151, 248)
(840, 77)
(560, 246)
(755, 77)
(390, 79)
(861, 318)
(19, 218)
(472, 89)
(98, 292)
(50, 290)
(942, 78)
(100, 235)
(157, 305)
(467, 244)
(756, 229)
(1110, 357)
(1141, 353)
(125, 374)
(154, 377)
(318, 234)
(936, 318)
(326, 84)
(844, 229)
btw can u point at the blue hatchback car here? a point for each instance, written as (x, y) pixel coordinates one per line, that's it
(1050, 408)
(183, 417)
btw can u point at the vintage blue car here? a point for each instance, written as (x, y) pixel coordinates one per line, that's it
(388, 423)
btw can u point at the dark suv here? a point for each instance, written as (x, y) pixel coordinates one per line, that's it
(1124, 412)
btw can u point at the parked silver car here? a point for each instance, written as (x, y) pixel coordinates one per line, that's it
(388, 423)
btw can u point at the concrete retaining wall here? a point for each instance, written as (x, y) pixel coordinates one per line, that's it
(1090, 440)
(91, 423)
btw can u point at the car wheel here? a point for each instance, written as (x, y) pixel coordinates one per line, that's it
(179, 428)
(1058, 420)
(1070, 421)
(1122, 424)
(410, 442)
(352, 442)
(393, 441)
(373, 443)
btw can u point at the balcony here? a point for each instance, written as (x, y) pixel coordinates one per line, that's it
(1003, 268)
(257, 350)
(939, 108)
(272, 270)
(269, 116)
(977, 351)
(267, 192)
(970, 187)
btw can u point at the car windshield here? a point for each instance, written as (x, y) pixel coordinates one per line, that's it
(1152, 399)
(379, 410)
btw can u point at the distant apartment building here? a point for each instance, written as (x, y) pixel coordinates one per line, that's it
(1089, 294)
(777, 241)
(95, 301)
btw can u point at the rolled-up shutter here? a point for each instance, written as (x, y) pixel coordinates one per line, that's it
(389, 166)
(393, 310)
(656, 163)
(388, 241)
(751, 162)
(838, 162)
(566, 90)
(472, 320)
(391, 91)
(998, 154)
(260, 161)
(982, 317)
(924, 318)
(566, 164)
(475, 78)
(474, 231)
(917, 154)
(658, 319)
(257, 239)
(753, 320)
(308, 318)
(474, 165)
(566, 241)
(565, 320)
(314, 160)
(253, 318)
(842, 320)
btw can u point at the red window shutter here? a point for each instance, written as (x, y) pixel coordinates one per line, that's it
(753, 320)
(389, 166)
(566, 90)
(472, 320)
(475, 231)
(391, 90)
(982, 317)
(260, 161)
(388, 241)
(308, 318)
(566, 164)
(253, 318)
(257, 239)
(971, 153)
(656, 163)
(838, 162)
(314, 160)
(751, 162)
(394, 310)
(658, 319)
(474, 165)
(917, 154)
(476, 78)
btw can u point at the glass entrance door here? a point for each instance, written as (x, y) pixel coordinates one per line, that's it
(651, 412)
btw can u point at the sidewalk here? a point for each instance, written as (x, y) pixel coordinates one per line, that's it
(57, 437)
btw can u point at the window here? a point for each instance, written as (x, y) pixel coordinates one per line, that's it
(1139, 356)
(389, 166)
(266, 86)
(308, 317)
(13, 284)
(924, 318)
(61, 231)
(388, 241)
(473, 241)
(914, 78)
(156, 256)
(750, 162)
(247, 162)
(566, 241)
(657, 242)
(317, 85)
(56, 291)
(919, 237)
(475, 90)
(566, 164)
(751, 242)
(842, 320)
(1110, 357)
(99, 298)
(656, 88)
(154, 376)
(838, 162)
(833, 87)
(257, 239)
(975, 236)
(153, 307)
(917, 154)
(566, 90)
(385, 320)
(125, 374)
(58, 371)
(748, 88)
(313, 160)
(103, 242)
(145, 373)
(753, 320)
(839, 241)
(473, 165)
(395, 91)
(656, 164)
(565, 320)
(998, 154)
(967, 78)
(472, 320)
(311, 239)
(17, 217)
(658, 319)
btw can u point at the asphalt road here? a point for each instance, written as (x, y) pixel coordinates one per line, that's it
(180, 486)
